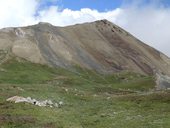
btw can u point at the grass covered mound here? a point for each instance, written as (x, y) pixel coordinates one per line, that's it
(91, 100)
(24, 72)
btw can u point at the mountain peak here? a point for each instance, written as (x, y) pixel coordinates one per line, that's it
(105, 21)
(44, 23)
(100, 46)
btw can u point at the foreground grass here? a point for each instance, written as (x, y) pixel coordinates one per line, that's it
(91, 100)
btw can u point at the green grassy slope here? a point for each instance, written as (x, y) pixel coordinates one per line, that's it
(91, 100)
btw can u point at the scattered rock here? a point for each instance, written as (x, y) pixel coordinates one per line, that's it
(66, 90)
(48, 103)
(56, 105)
(94, 95)
(108, 98)
(20, 89)
(2, 70)
(60, 103)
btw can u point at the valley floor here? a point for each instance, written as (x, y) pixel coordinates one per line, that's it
(90, 100)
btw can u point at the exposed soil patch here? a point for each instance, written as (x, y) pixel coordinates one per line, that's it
(16, 119)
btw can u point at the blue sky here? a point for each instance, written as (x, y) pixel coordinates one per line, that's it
(100, 5)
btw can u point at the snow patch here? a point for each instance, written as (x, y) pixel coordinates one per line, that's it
(19, 32)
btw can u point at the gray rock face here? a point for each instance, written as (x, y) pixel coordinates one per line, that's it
(162, 81)
(100, 45)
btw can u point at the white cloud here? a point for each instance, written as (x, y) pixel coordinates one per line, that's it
(69, 17)
(150, 23)
(17, 12)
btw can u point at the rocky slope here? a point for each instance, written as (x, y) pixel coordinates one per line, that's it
(100, 45)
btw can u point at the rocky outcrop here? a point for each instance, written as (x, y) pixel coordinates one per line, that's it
(45, 103)
(162, 81)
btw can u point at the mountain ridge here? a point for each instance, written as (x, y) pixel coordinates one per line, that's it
(99, 45)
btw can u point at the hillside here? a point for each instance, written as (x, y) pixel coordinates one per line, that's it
(90, 100)
(98, 76)
(100, 46)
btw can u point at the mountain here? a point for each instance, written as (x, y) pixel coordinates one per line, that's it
(100, 46)
(47, 78)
